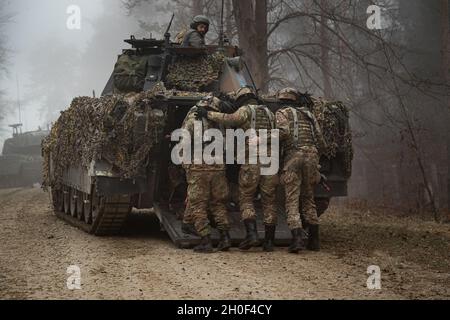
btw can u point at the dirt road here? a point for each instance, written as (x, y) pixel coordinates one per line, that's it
(36, 249)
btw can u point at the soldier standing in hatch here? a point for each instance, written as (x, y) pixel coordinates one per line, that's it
(252, 115)
(303, 142)
(196, 36)
(207, 187)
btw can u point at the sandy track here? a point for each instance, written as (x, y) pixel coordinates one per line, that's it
(36, 248)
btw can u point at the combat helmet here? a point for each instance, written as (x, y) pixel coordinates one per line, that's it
(288, 94)
(244, 94)
(200, 19)
(305, 100)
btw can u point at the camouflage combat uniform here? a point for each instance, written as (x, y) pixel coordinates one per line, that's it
(207, 188)
(302, 140)
(250, 178)
(193, 38)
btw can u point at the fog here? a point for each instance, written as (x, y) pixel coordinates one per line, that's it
(393, 80)
(46, 56)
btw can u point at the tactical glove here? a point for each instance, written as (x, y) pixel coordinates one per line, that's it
(202, 113)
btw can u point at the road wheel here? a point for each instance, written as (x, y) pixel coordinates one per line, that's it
(87, 208)
(96, 207)
(66, 199)
(80, 206)
(57, 200)
(73, 202)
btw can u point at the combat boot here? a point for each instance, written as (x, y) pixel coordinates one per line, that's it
(269, 241)
(205, 245)
(225, 241)
(297, 241)
(188, 228)
(251, 239)
(313, 238)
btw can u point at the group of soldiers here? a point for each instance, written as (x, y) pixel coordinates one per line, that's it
(208, 189)
(302, 143)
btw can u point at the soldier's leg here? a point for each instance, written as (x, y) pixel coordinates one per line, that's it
(198, 197)
(187, 216)
(292, 179)
(187, 225)
(218, 205)
(268, 187)
(219, 197)
(311, 178)
(248, 184)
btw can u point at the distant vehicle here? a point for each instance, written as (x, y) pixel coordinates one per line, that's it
(21, 159)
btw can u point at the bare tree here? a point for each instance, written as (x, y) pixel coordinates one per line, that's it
(197, 7)
(325, 53)
(49, 80)
(445, 37)
(153, 15)
(251, 22)
(387, 77)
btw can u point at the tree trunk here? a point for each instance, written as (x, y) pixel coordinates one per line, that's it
(228, 20)
(251, 22)
(445, 23)
(325, 53)
(197, 7)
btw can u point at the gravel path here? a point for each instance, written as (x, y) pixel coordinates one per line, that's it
(36, 249)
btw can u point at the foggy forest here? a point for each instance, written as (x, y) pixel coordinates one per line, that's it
(94, 205)
(394, 79)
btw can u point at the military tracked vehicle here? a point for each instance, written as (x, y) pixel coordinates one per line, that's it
(159, 81)
(21, 160)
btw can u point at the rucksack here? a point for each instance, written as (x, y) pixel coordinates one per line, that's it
(129, 73)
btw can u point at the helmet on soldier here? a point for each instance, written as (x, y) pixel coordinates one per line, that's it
(288, 94)
(201, 24)
(245, 94)
(200, 19)
(305, 100)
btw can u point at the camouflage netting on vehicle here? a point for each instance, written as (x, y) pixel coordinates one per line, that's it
(195, 73)
(123, 130)
(333, 119)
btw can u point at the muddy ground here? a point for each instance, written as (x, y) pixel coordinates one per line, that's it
(36, 249)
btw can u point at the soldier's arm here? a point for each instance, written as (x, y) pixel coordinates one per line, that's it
(282, 124)
(236, 119)
(196, 40)
(188, 123)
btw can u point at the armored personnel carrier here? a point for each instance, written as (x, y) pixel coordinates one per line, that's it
(109, 155)
(21, 160)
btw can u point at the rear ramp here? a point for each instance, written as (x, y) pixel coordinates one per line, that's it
(172, 225)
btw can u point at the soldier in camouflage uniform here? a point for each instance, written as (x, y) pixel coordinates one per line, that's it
(207, 188)
(187, 225)
(196, 36)
(302, 143)
(251, 115)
